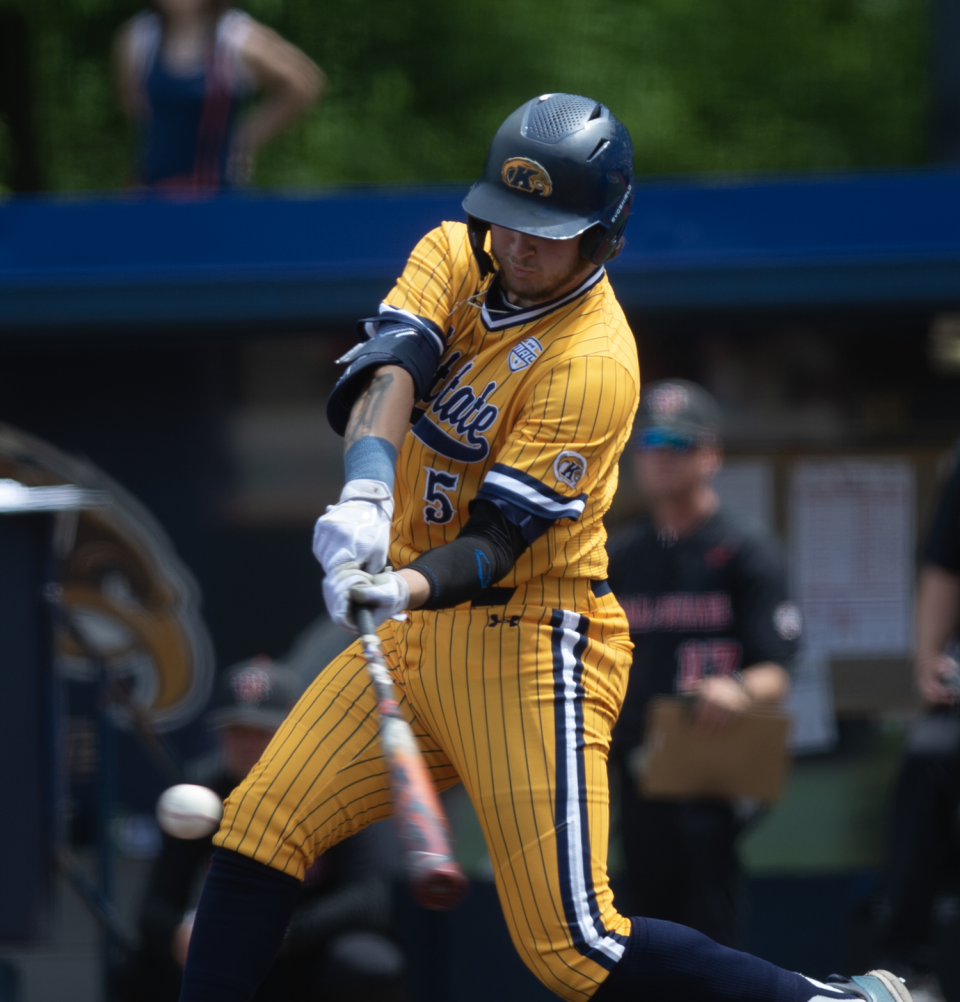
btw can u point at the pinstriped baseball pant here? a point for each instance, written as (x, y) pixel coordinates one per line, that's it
(518, 703)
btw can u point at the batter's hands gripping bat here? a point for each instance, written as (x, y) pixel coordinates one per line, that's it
(436, 880)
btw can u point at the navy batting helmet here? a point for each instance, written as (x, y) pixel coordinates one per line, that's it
(561, 165)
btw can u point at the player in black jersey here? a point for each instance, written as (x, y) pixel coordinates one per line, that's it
(705, 594)
(924, 844)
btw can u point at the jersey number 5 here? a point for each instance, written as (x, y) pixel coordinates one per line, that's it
(439, 508)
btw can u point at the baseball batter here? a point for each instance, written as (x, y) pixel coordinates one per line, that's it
(484, 416)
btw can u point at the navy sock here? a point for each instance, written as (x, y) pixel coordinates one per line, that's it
(241, 920)
(664, 960)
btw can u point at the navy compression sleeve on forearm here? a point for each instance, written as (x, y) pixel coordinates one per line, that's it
(487, 547)
(241, 920)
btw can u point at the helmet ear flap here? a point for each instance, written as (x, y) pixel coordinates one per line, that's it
(599, 244)
(592, 244)
(605, 241)
(477, 231)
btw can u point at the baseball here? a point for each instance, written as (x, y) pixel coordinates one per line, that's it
(189, 811)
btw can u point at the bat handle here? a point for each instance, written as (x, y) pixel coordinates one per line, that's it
(363, 617)
(436, 881)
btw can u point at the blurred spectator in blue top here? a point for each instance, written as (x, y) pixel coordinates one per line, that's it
(185, 69)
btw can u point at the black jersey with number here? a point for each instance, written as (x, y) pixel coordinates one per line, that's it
(708, 604)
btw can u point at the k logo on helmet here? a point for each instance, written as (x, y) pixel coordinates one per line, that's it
(526, 175)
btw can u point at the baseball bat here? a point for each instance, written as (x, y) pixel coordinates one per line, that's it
(436, 881)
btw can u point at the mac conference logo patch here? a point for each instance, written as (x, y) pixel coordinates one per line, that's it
(524, 354)
(569, 468)
(526, 175)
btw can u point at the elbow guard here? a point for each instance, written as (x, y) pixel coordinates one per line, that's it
(395, 337)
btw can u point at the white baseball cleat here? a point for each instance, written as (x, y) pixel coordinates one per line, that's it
(874, 986)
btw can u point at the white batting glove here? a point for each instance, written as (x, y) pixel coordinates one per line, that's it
(386, 594)
(357, 528)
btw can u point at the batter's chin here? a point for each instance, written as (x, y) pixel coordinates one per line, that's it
(530, 289)
(535, 290)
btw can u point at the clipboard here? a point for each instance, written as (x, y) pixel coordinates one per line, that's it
(677, 761)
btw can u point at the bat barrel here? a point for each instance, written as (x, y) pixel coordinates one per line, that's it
(436, 882)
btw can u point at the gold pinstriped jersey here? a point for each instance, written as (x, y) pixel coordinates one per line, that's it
(531, 408)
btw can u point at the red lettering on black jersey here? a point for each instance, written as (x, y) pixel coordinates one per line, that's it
(698, 659)
(678, 612)
(719, 555)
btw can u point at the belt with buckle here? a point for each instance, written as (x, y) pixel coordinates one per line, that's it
(501, 596)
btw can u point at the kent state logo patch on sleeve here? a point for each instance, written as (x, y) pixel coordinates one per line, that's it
(569, 468)
(524, 354)
(526, 175)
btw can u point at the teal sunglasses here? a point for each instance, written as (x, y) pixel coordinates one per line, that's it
(664, 438)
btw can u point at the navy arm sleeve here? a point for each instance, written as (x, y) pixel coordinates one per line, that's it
(486, 548)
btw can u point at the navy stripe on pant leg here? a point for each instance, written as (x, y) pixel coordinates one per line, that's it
(577, 891)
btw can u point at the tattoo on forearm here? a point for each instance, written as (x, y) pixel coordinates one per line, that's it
(367, 408)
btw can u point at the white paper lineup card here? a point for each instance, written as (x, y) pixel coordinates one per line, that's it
(852, 539)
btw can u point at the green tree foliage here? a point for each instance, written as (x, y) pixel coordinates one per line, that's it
(417, 88)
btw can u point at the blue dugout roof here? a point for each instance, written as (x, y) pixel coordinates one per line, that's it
(281, 262)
